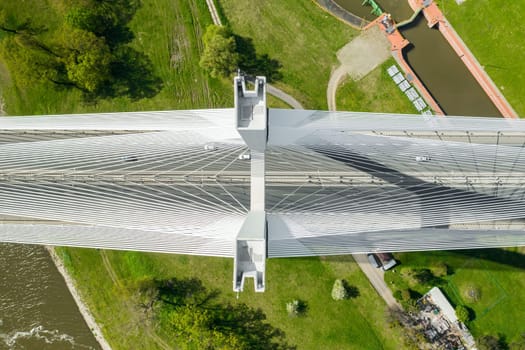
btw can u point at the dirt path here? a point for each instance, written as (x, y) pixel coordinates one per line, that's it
(358, 58)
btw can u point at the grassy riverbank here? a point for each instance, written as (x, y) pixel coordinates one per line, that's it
(107, 278)
(491, 30)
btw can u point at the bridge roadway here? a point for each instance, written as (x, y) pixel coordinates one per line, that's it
(273, 178)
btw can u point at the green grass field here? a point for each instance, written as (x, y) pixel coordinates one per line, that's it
(350, 324)
(376, 92)
(303, 38)
(498, 276)
(169, 32)
(493, 30)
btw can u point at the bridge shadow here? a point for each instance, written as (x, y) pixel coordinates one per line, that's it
(450, 198)
(505, 259)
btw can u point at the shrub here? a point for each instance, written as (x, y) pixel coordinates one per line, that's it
(339, 291)
(296, 308)
(292, 308)
(441, 269)
(462, 313)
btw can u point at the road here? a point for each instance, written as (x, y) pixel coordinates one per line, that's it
(376, 278)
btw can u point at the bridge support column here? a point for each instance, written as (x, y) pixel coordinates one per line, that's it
(252, 119)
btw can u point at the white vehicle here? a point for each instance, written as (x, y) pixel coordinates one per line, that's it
(245, 156)
(423, 158)
(210, 147)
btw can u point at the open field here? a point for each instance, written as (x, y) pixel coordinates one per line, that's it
(169, 32)
(376, 92)
(298, 34)
(350, 324)
(491, 30)
(497, 276)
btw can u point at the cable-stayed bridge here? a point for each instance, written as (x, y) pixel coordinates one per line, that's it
(254, 183)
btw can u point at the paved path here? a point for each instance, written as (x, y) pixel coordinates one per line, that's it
(272, 90)
(376, 278)
(358, 58)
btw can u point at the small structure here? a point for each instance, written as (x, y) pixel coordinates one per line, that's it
(440, 323)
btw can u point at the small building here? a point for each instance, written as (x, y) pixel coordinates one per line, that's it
(439, 299)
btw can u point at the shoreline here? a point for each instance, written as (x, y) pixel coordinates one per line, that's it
(84, 310)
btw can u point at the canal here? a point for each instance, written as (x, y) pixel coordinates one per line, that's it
(434, 61)
(36, 309)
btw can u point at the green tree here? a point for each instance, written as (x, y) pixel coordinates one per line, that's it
(195, 327)
(86, 58)
(490, 342)
(462, 313)
(220, 57)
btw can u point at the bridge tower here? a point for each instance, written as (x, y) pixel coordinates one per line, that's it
(252, 124)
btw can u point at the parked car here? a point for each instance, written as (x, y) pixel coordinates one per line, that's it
(374, 261)
(387, 260)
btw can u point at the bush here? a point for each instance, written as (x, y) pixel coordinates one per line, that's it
(339, 291)
(292, 308)
(441, 269)
(462, 313)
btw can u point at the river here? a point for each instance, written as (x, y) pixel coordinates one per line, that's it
(434, 61)
(36, 309)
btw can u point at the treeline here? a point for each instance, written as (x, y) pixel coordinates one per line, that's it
(89, 50)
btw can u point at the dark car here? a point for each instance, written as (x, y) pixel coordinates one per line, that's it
(374, 261)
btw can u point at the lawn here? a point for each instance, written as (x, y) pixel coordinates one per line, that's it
(493, 30)
(376, 92)
(169, 32)
(496, 275)
(298, 34)
(350, 324)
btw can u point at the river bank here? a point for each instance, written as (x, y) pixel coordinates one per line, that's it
(84, 310)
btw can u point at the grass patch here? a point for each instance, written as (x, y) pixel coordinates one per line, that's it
(376, 92)
(496, 276)
(298, 34)
(491, 29)
(358, 323)
(169, 32)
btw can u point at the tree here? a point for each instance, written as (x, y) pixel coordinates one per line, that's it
(86, 58)
(490, 342)
(220, 57)
(339, 291)
(462, 313)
